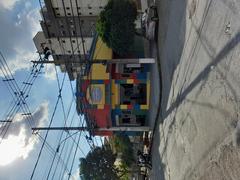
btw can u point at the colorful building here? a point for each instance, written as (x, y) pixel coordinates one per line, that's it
(114, 97)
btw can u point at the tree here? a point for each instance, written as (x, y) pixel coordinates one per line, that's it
(116, 25)
(124, 146)
(99, 164)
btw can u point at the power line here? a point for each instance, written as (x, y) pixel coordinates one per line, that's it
(53, 114)
(64, 142)
(23, 91)
(77, 147)
(64, 63)
(74, 156)
(65, 123)
(48, 33)
(18, 94)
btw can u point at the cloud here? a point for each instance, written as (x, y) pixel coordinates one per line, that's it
(8, 4)
(50, 72)
(74, 176)
(22, 61)
(17, 33)
(17, 30)
(19, 141)
(33, 18)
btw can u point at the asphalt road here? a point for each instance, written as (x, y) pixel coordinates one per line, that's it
(199, 53)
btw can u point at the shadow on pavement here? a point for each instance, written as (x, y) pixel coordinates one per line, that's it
(204, 74)
(171, 38)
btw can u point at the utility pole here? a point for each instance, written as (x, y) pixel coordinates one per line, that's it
(3, 121)
(116, 129)
(61, 128)
(100, 61)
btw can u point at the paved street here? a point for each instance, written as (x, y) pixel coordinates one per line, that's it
(155, 88)
(199, 53)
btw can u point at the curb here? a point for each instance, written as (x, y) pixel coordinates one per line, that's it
(160, 92)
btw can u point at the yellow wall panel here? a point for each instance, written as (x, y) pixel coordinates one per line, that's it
(115, 94)
(130, 81)
(98, 71)
(144, 106)
(123, 106)
(102, 51)
(100, 106)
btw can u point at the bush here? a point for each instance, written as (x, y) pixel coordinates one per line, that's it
(116, 25)
(124, 146)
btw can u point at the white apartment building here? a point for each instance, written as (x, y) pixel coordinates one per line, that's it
(68, 31)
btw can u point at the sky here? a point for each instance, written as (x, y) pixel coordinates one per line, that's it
(19, 22)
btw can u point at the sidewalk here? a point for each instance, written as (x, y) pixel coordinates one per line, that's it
(200, 109)
(151, 50)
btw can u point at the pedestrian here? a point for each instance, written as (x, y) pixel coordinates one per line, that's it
(143, 160)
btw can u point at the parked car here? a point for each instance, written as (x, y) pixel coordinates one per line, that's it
(149, 22)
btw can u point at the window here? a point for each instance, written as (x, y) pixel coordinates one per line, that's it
(79, 13)
(63, 41)
(90, 13)
(73, 32)
(68, 8)
(69, 14)
(89, 7)
(126, 112)
(125, 75)
(78, 7)
(58, 14)
(56, 8)
(100, 7)
(73, 41)
(126, 120)
(63, 33)
(69, 51)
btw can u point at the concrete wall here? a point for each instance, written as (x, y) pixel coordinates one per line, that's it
(78, 7)
(62, 46)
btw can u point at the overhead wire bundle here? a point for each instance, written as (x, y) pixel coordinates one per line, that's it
(62, 139)
(19, 96)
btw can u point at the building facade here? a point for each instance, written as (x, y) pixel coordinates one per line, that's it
(68, 31)
(114, 97)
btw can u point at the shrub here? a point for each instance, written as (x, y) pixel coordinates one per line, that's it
(116, 25)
